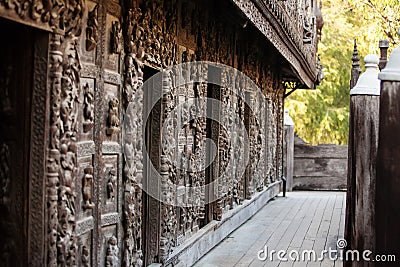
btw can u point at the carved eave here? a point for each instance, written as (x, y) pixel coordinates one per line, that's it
(26, 20)
(301, 61)
(60, 17)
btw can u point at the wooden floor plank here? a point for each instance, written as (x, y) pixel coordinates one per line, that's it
(301, 221)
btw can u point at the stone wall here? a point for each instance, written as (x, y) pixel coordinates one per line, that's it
(322, 167)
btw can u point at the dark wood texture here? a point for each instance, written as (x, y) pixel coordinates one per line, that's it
(355, 74)
(22, 108)
(387, 214)
(16, 90)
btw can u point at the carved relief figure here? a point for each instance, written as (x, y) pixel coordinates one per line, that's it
(92, 35)
(65, 239)
(116, 37)
(112, 184)
(87, 188)
(85, 257)
(112, 252)
(4, 175)
(113, 117)
(67, 160)
(88, 108)
(66, 104)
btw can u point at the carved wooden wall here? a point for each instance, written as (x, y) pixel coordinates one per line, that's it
(100, 53)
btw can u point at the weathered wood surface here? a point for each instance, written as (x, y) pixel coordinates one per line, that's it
(388, 172)
(365, 120)
(363, 146)
(301, 221)
(355, 74)
(321, 167)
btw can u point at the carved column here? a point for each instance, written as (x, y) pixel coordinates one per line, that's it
(133, 145)
(53, 153)
(167, 168)
(213, 126)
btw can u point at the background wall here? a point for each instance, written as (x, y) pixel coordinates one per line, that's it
(322, 167)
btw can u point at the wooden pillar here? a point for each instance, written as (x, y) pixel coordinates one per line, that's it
(214, 209)
(364, 98)
(355, 72)
(388, 161)
(288, 150)
(383, 47)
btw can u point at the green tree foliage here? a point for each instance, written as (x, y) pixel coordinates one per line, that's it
(322, 115)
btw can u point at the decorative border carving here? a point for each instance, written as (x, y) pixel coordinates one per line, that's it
(109, 219)
(308, 73)
(113, 78)
(84, 226)
(64, 80)
(111, 148)
(89, 71)
(38, 149)
(86, 148)
(61, 15)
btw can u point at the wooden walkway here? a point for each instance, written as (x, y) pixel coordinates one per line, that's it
(301, 221)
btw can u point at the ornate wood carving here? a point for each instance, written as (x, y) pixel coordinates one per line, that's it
(64, 76)
(113, 126)
(167, 168)
(112, 254)
(150, 33)
(116, 38)
(133, 157)
(92, 35)
(85, 258)
(112, 185)
(259, 12)
(87, 188)
(88, 108)
(64, 15)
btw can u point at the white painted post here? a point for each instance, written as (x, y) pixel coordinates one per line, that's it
(288, 150)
